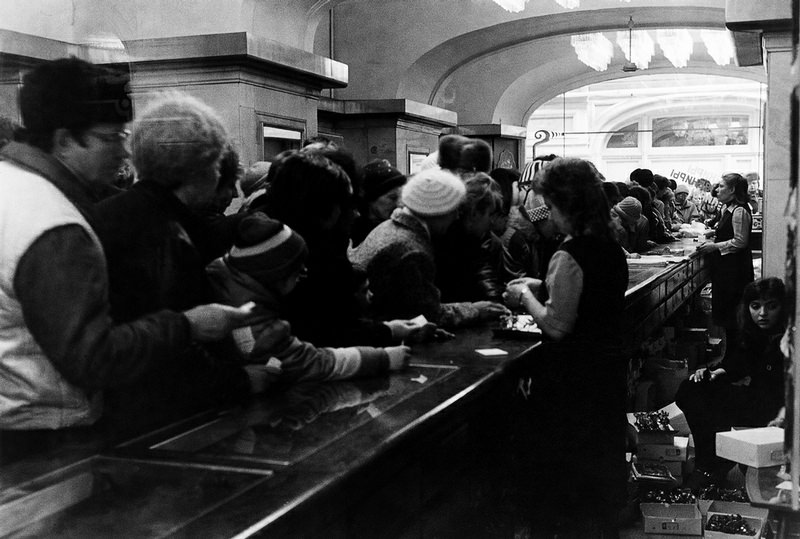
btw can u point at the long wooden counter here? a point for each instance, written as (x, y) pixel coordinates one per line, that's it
(347, 459)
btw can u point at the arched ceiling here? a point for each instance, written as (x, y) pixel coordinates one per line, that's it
(492, 66)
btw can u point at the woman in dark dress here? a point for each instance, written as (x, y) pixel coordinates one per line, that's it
(577, 394)
(709, 398)
(731, 257)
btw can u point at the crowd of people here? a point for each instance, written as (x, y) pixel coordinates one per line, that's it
(147, 299)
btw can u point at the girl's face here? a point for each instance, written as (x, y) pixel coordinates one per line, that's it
(724, 192)
(766, 313)
(478, 223)
(558, 217)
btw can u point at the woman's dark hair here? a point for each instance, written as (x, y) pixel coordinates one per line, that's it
(612, 193)
(305, 190)
(738, 184)
(661, 181)
(482, 193)
(230, 168)
(344, 158)
(505, 178)
(765, 289)
(574, 187)
(643, 196)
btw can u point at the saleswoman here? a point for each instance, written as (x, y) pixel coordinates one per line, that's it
(709, 398)
(731, 257)
(576, 388)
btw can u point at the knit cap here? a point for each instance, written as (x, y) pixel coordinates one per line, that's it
(380, 177)
(266, 249)
(682, 188)
(433, 192)
(629, 209)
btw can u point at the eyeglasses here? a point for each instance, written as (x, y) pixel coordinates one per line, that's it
(114, 136)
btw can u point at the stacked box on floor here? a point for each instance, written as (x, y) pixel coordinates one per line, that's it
(671, 513)
(658, 443)
(671, 520)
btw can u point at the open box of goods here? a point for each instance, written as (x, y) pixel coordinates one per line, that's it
(652, 472)
(672, 519)
(732, 525)
(519, 326)
(732, 519)
(758, 448)
(652, 427)
(733, 500)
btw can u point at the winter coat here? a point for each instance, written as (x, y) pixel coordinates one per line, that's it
(268, 345)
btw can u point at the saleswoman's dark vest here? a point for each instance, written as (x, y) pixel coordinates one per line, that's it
(605, 280)
(725, 227)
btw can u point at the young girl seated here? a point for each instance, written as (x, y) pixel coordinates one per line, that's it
(264, 265)
(712, 398)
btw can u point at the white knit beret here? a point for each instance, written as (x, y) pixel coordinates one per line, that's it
(433, 192)
(682, 188)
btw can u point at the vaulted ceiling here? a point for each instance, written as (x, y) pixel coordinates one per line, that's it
(491, 65)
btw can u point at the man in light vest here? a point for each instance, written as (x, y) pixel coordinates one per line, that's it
(59, 347)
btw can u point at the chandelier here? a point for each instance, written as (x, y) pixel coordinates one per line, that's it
(677, 45)
(594, 50)
(719, 46)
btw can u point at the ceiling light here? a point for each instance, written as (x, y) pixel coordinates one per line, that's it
(594, 50)
(677, 45)
(719, 46)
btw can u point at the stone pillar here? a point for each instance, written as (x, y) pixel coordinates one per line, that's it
(778, 60)
(761, 33)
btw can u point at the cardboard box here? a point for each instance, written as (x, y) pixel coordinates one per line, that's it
(759, 448)
(756, 524)
(674, 467)
(676, 419)
(731, 508)
(652, 436)
(672, 519)
(675, 452)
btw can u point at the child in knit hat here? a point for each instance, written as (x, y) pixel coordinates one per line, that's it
(264, 265)
(399, 258)
(631, 227)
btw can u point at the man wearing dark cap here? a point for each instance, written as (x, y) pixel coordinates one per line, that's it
(381, 193)
(58, 345)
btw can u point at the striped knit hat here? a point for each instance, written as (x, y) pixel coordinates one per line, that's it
(266, 249)
(433, 192)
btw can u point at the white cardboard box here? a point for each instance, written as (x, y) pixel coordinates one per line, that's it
(676, 451)
(672, 519)
(677, 419)
(759, 448)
